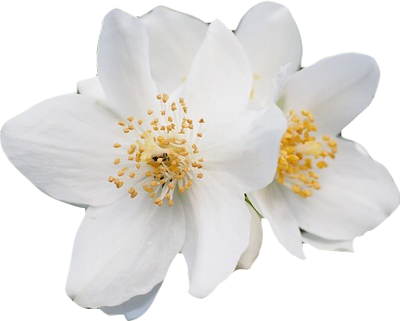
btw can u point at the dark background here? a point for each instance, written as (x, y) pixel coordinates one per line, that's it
(45, 49)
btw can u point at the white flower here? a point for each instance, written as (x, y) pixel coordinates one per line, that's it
(157, 174)
(269, 37)
(354, 193)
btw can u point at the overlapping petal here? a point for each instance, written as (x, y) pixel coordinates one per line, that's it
(247, 146)
(91, 87)
(271, 39)
(327, 245)
(272, 203)
(217, 232)
(123, 250)
(219, 82)
(64, 146)
(175, 38)
(335, 90)
(135, 307)
(123, 65)
(256, 234)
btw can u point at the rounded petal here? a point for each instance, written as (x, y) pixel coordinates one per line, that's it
(64, 146)
(175, 38)
(217, 231)
(256, 234)
(271, 39)
(327, 245)
(123, 65)
(219, 82)
(335, 89)
(356, 195)
(272, 205)
(123, 250)
(135, 307)
(245, 145)
(91, 87)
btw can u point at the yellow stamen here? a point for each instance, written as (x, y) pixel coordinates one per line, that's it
(164, 150)
(298, 150)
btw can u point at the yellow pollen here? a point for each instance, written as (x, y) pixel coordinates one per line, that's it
(301, 152)
(165, 98)
(162, 152)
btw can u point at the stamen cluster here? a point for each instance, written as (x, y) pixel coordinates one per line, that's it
(164, 154)
(300, 151)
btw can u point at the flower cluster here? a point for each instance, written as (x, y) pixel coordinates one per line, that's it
(185, 151)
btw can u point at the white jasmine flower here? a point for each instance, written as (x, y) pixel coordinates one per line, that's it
(157, 174)
(327, 189)
(269, 36)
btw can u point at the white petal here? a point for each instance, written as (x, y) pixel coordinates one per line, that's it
(219, 82)
(175, 38)
(64, 146)
(91, 87)
(271, 204)
(335, 89)
(271, 39)
(356, 195)
(123, 250)
(256, 233)
(135, 307)
(123, 64)
(280, 80)
(218, 231)
(245, 145)
(328, 245)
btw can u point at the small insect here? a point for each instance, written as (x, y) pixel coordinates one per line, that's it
(164, 157)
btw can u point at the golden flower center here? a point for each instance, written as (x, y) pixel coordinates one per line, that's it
(163, 157)
(301, 154)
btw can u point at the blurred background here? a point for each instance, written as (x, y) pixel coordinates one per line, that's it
(47, 49)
